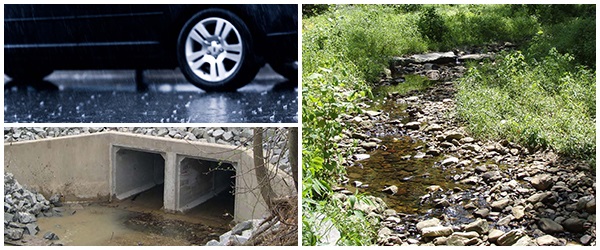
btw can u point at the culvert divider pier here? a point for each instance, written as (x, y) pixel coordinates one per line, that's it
(117, 165)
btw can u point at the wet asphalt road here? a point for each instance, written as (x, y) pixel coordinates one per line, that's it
(111, 97)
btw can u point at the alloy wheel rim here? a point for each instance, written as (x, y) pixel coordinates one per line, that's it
(213, 49)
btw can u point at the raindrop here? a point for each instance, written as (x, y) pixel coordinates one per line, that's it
(285, 107)
(41, 103)
(175, 111)
(272, 118)
(254, 112)
(187, 105)
(260, 109)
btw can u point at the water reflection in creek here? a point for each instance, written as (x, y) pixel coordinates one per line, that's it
(397, 165)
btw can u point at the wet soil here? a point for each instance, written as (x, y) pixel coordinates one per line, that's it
(138, 222)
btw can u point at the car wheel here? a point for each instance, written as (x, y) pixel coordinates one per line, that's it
(215, 51)
(27, 74)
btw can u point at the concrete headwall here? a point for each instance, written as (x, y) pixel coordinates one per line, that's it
(114, 164)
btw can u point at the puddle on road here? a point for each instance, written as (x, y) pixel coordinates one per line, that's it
(138, 222)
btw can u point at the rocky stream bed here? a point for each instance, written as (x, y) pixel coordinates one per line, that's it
(431, 183)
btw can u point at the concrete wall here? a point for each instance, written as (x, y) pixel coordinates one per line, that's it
(75, 166)
(136, 171)
(90, 167)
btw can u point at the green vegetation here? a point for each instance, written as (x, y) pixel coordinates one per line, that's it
(540, 97)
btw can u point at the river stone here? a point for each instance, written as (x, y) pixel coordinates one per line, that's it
(542, 182)
(433, 151)
(505, 220)
(468, 235)
(449, 161)
(499, 205)
(483, 213)
(574, 225)
(455, 240)
(434, 127)
(393, 189)
(480, 226)
(547, 240)
(510, 238)
(491, 176)
(518, 212)
(368, 145)
(436, 231)
(428, 223)
(413, 125)
(590, 206)
(214, 243)
(453, 135)
(384, 232)
(585, 240)
(524, 241)
(549, 226)
(435, 57)
(360, 157)
(494, 234)
(14, 233)
(538, 197)
(440, 241)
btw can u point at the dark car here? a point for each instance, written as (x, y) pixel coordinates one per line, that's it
(217, 47)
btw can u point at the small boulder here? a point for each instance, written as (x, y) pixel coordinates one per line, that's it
(428, 223)
(548, 240)
(542, 182)
(574, 225)
(549, 226)
(499, 205)
(480, 226)
(494, 235)
(436, 231)
(510, 238)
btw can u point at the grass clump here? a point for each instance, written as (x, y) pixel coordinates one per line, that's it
(540, 103)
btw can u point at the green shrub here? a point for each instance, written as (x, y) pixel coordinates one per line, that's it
(431, 25)
(540, 103)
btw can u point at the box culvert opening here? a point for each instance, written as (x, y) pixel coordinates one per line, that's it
(206, 181)
(136, 171)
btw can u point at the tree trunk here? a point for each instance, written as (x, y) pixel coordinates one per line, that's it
(293, 145)
(262, 174)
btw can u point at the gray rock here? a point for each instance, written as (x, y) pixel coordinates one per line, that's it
(384, 232)
(428, 223)
(548, 240)
(434, 127)
(214, 243)
(436, 231)
(524, 241)
(494, 235)
(483, 213)
(468, 235)
(218, 132)
(25, 217)
(393, 189)
(549, 226)
(449, 161)
(473, 57)
(227, 136)
(455, 240)
(453, 135)
(237, 240)
(499, 205)
(242, 226)
(542, 182)
(32, 228)
(434, 57)
(480, 226)
(538, 197)
(51, 236)
(491, 176)
(590, 206)
(575, 225)
(14, 233)
(413, 125)
(585, 239)
(518, 212)
(8, 217)
(368, 145)
(510, 238)
(440, 241)
(505, 220)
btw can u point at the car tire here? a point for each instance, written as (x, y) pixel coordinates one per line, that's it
(27, 74)
(215, 51)
(288, 70)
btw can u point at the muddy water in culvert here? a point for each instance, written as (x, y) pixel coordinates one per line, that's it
(397, 166)
(138, 222)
